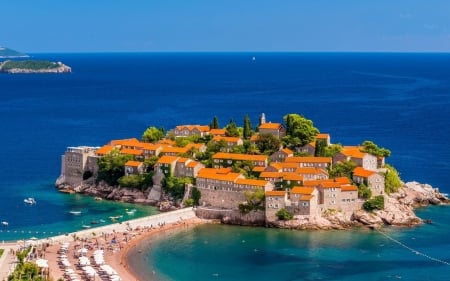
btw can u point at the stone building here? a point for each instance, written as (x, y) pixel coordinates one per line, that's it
(75, 162)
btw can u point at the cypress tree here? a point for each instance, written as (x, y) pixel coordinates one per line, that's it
(247, 127)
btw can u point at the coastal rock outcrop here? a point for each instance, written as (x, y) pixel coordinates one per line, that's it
(398, 210)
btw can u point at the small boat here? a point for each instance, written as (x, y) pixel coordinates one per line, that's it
(98, 198)
(29, 200)
(74, 212)
(131, 212)
(94, 222)
(5, 223)
(86, 226)
(102, 221)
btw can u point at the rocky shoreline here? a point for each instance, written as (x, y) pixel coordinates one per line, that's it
(398, 210)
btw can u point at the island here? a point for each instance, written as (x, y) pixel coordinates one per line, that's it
(28, 66)
(284, 175)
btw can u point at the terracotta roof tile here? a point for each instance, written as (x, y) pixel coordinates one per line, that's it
(280, 193)
(302, 190)
(361, 172)
(271, 175)
(133, 163)
(349, 187)
(104, 149)
(270, 126)
(306, 197)
(241, 157)
(167, 159)
(129, 151)
(251, 182)
(298, 159)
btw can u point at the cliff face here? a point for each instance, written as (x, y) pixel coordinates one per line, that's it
(398, 211)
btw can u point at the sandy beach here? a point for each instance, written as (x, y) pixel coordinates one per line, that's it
(101, 253)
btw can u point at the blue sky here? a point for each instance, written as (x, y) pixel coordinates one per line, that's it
(225, 25)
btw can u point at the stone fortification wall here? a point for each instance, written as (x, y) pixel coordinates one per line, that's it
(221, 199)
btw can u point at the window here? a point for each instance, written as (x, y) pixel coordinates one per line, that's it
(305, 204)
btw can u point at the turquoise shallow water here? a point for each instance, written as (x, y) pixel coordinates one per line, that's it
(220, 252)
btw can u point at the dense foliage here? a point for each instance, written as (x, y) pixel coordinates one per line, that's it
(392, 181)
(111, 167)
(284, 215)
(372, 148)
(376, 203)
(364, 191)
(231, 130)
(332, 149)
(29, 64)
(196, 195)
(247, 133)
(25, 270)
(153, 134)
(214, 123)
(255, 202)
(299, 130)
(268, 143)
(141, 182)
(176, 186)
(342, 169)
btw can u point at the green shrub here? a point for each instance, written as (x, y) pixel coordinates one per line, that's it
(284, 215)
(376, 203)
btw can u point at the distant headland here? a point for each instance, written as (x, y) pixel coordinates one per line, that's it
(28, 66)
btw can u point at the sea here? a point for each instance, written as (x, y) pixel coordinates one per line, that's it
(400, 101)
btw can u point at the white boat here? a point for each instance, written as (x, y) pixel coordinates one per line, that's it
(74, 212)
(5, 223)
(29, 200)
(131, 212)
(86, 226)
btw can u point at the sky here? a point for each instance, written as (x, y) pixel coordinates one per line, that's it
(40, 26)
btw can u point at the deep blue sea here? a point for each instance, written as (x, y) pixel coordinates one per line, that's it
(399, 101)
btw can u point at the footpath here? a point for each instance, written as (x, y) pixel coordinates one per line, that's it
(7, 260)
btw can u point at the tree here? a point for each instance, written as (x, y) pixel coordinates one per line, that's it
(372, 148)
(231, 129)
(299, 130)
(255, 202)
(268, 143)
(111, 167)
(176, 186)
(153, 134)
(320, 148)
(196, 195)
(342, 169)
(284, 215)
(247, 127)
(331, 150)
(364, 191)
(392, 181)
(214, 123)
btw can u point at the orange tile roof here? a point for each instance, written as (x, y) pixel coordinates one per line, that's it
(322, 136)
(227, 139)
(217, 131)
(302, 190)
(277, 165)
(342, 180)
(292, 177)
(312, 182)
(192, 164)
(258, 169)
(194, 145)
(270, 175)
(330, 184)
(271, 126)
(149, 146)
(174, 149)
(306, 197)
(237, 156)
(310, 170)
(183, 160)
(218, 176)
(215, 170)
(287, 165)
(201, 128)
(129, 151)
(353, 151)
(279, 193)
(167, 159)
(104, 149)
(287, 151)
(298, 159)
(133, 163)
(349, 187)
(167, 142)
(126, 142)
(254, 138)
(361, 172)
(252, 182)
